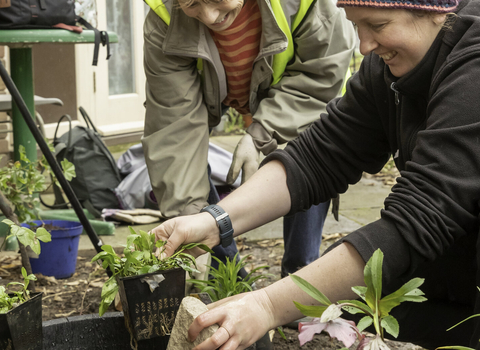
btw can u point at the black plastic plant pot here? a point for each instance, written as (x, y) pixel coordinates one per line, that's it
(151, 313)
(21, 327)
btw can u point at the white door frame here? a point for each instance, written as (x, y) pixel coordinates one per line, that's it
(117, 114)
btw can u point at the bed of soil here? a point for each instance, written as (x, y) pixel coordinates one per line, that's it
(80, 294)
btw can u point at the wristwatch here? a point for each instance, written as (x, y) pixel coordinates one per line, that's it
(224, 223)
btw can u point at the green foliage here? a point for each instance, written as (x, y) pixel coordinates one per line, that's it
(140, 257)
(234, 123)
(226, 281)
(22, 179)
(8, 302)
(375, 307)
(27, 237)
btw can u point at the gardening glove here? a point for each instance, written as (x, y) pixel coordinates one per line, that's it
(245, 158)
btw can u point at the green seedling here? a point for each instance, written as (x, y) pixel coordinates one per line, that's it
(141, 255)
(27, 237)
(375, 307)
(21, 180)
(226, 281)
(11, 300)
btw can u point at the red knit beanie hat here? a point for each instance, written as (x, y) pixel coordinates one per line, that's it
(425, 5)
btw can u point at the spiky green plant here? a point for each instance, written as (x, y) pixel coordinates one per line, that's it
(226, 281)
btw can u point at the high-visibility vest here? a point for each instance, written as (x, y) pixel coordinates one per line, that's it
(280, 60)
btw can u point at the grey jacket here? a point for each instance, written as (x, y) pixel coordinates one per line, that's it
(182, 104)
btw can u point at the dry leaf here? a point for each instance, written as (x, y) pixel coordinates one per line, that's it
(46, 279)
(66, 315)
(265, 243)
(76, 283)
(97, 284)
(4, 273)
(11, 266)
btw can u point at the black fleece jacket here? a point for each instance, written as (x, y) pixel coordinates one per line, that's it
(429, 120)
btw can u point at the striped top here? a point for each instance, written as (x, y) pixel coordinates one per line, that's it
(238, 47)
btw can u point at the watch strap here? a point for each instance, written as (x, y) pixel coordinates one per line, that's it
(224, 223)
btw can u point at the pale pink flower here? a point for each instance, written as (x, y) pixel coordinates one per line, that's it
(336, 327)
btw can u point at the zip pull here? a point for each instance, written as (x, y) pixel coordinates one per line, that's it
(393, 86)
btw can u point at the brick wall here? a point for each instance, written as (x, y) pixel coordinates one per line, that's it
(5, 138)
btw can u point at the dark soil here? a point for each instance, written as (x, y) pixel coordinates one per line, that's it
(80, 294)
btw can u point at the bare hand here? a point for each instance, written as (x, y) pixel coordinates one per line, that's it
(243, 319)
(245, 158)
(198, 228)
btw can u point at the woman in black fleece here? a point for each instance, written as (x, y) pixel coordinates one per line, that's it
(416, 98)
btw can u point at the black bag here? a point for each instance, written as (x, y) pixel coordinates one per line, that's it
(97, 174)
(44, 14)
(16, 14)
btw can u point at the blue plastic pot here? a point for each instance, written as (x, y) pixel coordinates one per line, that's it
(58, 258)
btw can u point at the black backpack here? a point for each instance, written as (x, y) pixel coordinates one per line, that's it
(48, 14)
(97, 174)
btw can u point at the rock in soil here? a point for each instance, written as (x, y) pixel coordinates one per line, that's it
(189, 309)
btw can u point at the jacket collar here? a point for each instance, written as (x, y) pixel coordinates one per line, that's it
(187, 36)
(416, 83)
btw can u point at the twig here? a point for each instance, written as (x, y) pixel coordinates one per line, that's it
(83, 297)
(57, 294)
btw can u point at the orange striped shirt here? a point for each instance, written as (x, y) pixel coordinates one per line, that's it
(238, 47)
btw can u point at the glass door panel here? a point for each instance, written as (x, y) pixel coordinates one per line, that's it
(121, 72)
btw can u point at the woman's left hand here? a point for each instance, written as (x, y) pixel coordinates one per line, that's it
(243, 319)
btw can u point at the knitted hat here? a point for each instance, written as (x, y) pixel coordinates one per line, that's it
(424, 5)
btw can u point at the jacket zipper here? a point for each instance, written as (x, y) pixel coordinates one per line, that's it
(393, 86)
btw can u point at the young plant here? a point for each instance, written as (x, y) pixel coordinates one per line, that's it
(457, 347)
(376, 309)
(27, 237)
(11, 300)
(22, 179)
(226, 281)
(140, 256)
(31, 239)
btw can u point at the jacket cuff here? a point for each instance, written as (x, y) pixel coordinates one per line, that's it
(263, 141)
(384, 235)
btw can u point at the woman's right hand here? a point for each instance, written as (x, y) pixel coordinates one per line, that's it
(242, 320)
(198, 228)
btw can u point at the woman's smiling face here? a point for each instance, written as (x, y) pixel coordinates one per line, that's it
(216, 15)
(400, 37)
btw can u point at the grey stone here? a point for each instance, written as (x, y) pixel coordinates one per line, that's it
(189, 309)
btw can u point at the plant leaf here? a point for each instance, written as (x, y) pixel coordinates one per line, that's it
(373, 279)
(391, 325)
(43, 235)
(310, 290)
(364, 323)
(408, 292)
(358, 307)
(68, 169)
(310, 310)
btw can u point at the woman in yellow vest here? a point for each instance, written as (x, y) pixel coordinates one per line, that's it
(277, 63)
